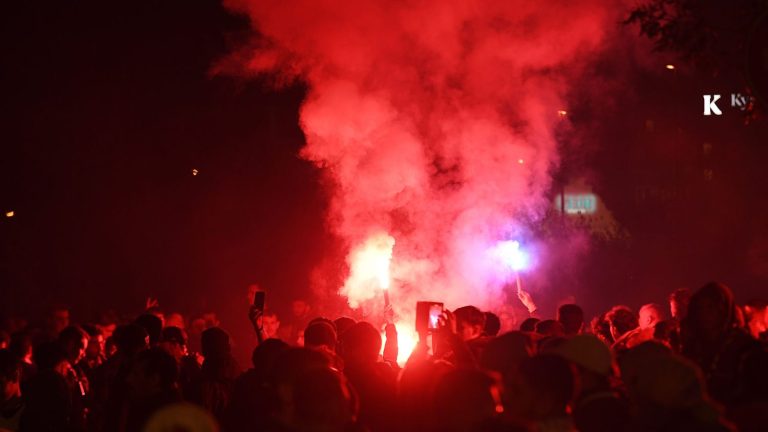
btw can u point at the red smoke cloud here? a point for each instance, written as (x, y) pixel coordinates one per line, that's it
(435, 119)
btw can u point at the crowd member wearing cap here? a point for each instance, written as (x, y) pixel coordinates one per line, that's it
(596, 407)
(320, 335)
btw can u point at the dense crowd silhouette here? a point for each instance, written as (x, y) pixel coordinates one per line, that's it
(700, 364)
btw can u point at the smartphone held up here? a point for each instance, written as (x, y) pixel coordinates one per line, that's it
(428, 316)
(258, 300)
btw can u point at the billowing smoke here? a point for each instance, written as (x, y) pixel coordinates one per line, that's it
(435, 120)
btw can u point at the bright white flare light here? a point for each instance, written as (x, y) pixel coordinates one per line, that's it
(511, 254)
(406, 342)
(368, 269)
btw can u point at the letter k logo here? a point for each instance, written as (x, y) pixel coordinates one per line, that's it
(710, 105)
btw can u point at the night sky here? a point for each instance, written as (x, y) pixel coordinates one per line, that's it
(109, 106)
(107, 110)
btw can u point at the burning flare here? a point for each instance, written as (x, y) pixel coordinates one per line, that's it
(369, 269)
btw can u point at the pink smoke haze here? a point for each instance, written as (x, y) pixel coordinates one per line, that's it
(420, 112)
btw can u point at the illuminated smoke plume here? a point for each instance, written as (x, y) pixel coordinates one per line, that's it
(369, 269)
(435, 120)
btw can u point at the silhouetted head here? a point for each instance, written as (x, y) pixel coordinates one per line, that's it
(153, 326)
(343, 324)
(470, 322)
(550, 328)
(174, 335)
(529, 325)
(320, 334)
(215, 343)
(361, 344)
(649, 315)
(270, 323)
(96, 340)
(130, 339)
(58, 318)
(678, 303)
(156, 311)
(505, 352)
(74, 340)
(492, 324)
(300, 308)
(711, 312)
(571, 316)
(174, 342)
(622, 320)
(602, 328)
(107, 321)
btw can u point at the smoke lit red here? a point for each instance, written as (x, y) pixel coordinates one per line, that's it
(422, 113)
